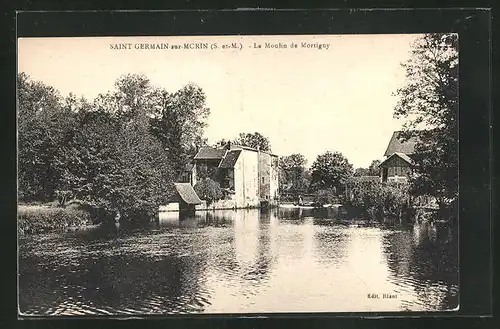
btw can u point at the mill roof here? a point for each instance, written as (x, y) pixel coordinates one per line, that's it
(209, 153)
(397, 145)
(232, 146)
(230, 159)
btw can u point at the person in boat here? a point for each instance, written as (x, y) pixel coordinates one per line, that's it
(118, 216)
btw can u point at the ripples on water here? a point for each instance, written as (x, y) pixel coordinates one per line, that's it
(239, 261)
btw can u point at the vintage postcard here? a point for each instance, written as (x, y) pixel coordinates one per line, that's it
(237, 174)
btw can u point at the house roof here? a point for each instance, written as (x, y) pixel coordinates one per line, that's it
(404, 157)
(209, 153)
(398, 154)
(187, 193)
(397, 145)
(230, 159)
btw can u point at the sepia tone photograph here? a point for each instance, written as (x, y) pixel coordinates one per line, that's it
(237, 174)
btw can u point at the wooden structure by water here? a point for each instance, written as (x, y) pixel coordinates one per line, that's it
(186, 197)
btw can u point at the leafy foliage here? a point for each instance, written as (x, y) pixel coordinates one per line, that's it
(255, 140)
(325, 196)
(330, 170)
(361, 172)
(372, 170)
(294, 178)
(377, 200)
(118, 167)
(112, 153)
(44, 125)
(220, 143)
(208, 190)
(178, 121)
(430, 99)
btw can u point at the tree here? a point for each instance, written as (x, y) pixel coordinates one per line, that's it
(220, 143)
(123, 151)
(430, 99)
(255, 140)
(101, 152)
(178, 122)
(146, 173)
(294, 178)
(44, 127)
(208, 190)
(330, 170)
(114, 163)
(361, 172)
(373, 169)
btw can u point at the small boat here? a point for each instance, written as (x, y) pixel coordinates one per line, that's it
(287, 205)
(296, 206)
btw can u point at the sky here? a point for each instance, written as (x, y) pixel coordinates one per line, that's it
(306, 100)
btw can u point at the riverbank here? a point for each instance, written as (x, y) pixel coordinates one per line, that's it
(43, 218)
(216, 205)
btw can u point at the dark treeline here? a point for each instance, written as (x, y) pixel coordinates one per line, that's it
(118, 152)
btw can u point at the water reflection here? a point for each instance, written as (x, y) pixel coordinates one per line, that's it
(423, 262)
(330, 245)
(277, 260)
(290, 213)
(117, 277)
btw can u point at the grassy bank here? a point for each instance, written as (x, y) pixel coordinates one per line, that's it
(34, 219)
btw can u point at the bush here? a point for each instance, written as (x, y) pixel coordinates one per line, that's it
(41, 219)
(208, 190)
(325, 196)
(377, 200)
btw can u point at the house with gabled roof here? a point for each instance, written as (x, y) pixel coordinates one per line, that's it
(248, 176)
(398, 162)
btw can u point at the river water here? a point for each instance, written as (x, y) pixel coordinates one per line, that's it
(250, 261)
